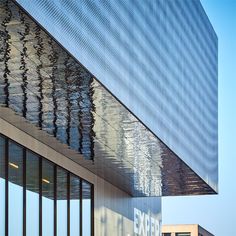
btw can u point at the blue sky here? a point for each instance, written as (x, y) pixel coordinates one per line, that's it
(217, 213)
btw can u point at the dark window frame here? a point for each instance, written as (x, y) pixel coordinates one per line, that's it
(69, 174)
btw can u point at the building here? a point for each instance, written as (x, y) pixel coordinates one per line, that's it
(105, 107)
(184, 230)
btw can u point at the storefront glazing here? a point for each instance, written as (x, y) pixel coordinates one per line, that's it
(37, 197)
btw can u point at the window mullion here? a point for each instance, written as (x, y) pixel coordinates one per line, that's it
(6, 184)
(55, 200)
(68, 204)
(24, 192)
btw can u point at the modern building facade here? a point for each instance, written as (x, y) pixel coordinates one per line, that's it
(185, 230)
(105, 107)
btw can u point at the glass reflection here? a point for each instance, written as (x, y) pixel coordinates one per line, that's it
(74, 205)
(2, 186)
(47, 198)
(86, 208)
(79, 194)
(15, 168)
(44, 84)
(61, 202)
(32, 194)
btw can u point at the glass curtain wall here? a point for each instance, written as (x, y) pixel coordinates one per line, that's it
(39, 198)
(75, 205)
(86, 206)
(48, 196)
(62, 194)
(15, 188)
(2, 186)
(32, 194)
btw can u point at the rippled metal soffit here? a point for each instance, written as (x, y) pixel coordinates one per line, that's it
(41, 82)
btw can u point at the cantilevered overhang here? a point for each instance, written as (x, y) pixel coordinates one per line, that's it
(49, 88)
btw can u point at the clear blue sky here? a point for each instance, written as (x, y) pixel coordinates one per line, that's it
(217, 213)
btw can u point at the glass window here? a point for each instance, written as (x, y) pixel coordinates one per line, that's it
(75, 199)
(2, 186)
(47, 198)
(61, 202)
(15, 167)
(183, 234)
(86, 208)
(32, 194)
(74, 205)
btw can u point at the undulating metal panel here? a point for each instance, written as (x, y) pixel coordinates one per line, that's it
(159, 58)
(48, 87)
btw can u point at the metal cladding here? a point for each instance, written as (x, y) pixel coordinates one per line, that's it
(162, 70)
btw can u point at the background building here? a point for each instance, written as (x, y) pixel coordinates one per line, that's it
(100, 110)
(184, 230)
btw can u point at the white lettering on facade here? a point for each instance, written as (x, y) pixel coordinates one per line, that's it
(153, 226)
(141, 226)
(136, 221)
(144, 224)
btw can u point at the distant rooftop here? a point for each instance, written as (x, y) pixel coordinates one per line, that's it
(184, 230)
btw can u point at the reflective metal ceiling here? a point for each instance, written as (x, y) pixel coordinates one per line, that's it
(40, 81)
(159, 58)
